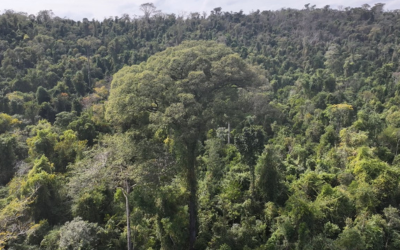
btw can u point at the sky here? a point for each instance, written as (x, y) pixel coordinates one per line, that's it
(99, 9)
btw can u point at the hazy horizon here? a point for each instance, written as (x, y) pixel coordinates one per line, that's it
(100, 9)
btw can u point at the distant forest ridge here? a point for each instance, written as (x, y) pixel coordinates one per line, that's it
(150, 9)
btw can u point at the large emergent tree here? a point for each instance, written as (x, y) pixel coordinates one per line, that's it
(177, 96)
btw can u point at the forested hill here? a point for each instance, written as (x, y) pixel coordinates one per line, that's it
(219, 131)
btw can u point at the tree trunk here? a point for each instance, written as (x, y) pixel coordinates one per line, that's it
(253, 179)
(192, 182)
(88, 62)
(229, 133)
(128, 215)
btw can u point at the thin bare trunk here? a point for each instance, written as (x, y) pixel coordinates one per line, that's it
(193, 194)
(253, 178)
(229, 133)
(128, 215)
(88, 62)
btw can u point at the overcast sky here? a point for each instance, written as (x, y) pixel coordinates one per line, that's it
(98, 9)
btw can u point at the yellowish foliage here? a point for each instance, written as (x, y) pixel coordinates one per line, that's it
(82, 58)
(7, 122)
(342, 106)
(102, 91)
(98, 112)
(14, 220)
(15, 96)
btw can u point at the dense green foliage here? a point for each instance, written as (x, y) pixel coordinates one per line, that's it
(272, 130)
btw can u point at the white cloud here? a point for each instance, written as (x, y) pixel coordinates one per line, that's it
(98, 9)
